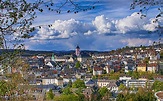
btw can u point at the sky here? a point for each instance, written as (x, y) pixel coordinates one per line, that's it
(110, 25)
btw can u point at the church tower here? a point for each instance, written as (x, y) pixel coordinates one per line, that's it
(53, 58)
(77, 52)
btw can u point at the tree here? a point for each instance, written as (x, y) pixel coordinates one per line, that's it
(67, 91)
(70, 97)
(145, 6)
(49, 95)
(122, 87)
(16, 24)
(78, 84)
(104, 94)
(77, 65)
(69, 84)
(103, 91)
(157, 86)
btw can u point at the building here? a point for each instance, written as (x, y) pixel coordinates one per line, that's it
(97, 71)
(59, 81)
(139, 83)
(77, 52)
(125, 78)
(152, 67)
(47, 81)
(142, 67)
(109, 84)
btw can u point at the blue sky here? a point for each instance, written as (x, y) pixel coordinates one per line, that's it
(110, 25)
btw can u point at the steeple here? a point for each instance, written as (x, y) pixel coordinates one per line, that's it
(77, 52)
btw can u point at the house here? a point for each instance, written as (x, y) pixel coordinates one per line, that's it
(51, 64)
(158, 77)
(48, 80)
(59, 81)
(152, 67)
(110, 84)
(97, 71)
(90, 83)
(141, 67)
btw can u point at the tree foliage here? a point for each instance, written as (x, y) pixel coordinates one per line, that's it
(49, 95)
(78, 83)
(67, 91)
(70, 97)
(103, 91)
(122, 87)
(146, 5)
(157, 86)
(141, 95)
(77, 65)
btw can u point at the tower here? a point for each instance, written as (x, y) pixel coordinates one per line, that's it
(77, 52)
(53, 58)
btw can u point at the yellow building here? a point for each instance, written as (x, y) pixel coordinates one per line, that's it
(142, 67)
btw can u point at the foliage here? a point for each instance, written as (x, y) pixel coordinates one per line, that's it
(114, 76)
(77, 65)
(157, 86)
(161, 54)
(78, 83)
(141, 95)
(145, 6)
(146, 60)
(49, 95)
(103, 91)
(122, 87)
(5, 88)
(69, 84)
(70, 97)
(67, 91)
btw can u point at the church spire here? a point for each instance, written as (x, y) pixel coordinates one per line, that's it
(77, 52)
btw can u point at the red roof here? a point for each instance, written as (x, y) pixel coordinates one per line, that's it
(141, 65)
(55, 71)
(97, 69)
(152, 65)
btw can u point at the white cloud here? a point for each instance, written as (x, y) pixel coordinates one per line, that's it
(63, 29)
(136, 42)
(130, 23)
(103, 24)
(152, 26)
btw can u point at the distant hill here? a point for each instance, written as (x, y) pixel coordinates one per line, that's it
(70, 52)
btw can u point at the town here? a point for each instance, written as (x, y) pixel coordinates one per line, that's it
(90, 76)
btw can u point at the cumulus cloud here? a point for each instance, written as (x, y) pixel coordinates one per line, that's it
(130, 23)
(63, 29)
(152, 26)
(103, 24)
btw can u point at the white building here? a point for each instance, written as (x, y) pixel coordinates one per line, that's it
(139, 83)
